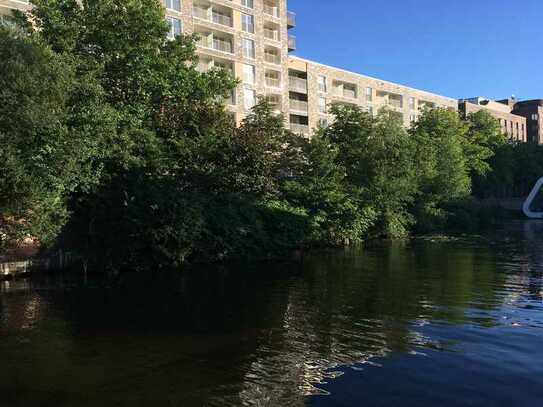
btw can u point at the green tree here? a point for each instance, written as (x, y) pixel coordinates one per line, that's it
(443, 171)
(377, 154)
(52, 120)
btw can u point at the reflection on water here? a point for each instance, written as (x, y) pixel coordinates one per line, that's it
(431, 321)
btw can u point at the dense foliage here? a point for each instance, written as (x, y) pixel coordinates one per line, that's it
(116, 147)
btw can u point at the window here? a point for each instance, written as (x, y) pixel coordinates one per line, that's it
(369, 94)
(369, 109)
(413, 118)
(248, 48)
(248, 23)
(247, 3)
(248, 74)
(535, 117)
(322, 83)
(323, 123)
(412, 103)
(249, 98)
(321, 104)
(173, 5)
(175, 27)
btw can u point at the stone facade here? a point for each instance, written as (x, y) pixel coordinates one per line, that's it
(513, 125)
(321, 86)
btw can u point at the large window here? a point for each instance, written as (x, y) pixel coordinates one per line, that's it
(248, 48)
(369, 94)
(322, 83)
(247, 3)
(321, 104)
(412, 103)
(249, 98)
(175, 27)
(173, 5)
(249, 74)
(248, 23)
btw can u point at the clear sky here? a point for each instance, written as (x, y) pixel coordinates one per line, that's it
(456, 48)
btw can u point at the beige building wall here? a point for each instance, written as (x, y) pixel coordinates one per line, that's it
(223, 25)
(514, 126)
(327, 85)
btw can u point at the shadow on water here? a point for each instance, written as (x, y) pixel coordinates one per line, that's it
(435, 321)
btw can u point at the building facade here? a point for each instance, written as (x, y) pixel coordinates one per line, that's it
(513, 125)
(532, 111)
(314, 87)
(250, 38)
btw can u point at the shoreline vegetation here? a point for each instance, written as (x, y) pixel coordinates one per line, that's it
(115, 147)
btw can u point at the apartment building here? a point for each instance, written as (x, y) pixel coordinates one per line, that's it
(314, 87)
(247, 37)
(513, 125)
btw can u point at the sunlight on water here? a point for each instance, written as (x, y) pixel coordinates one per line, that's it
(431, 321)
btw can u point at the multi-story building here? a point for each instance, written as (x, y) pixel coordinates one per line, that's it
(513, 125)
(532, 111)
(313, 87)
(247, 37)
(250, 38)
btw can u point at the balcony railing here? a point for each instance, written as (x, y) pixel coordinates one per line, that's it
(271, 34)
(297, 84)
(291, 43)
(299, 105)
(291, 19)
(216, 44)
(272, 58)
(271, 10)
(222, 19)
(346, 93)
(273, 82)
(200, 12)
(299, 128)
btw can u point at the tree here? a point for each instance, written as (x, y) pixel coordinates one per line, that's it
(51, 124)
(443, 171)
(377, 155)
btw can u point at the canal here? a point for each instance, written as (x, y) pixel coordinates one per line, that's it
(437, 321)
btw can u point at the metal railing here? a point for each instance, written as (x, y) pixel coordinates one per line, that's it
(291, 43)
(273, 82)
(291, 19)
(299, 105)
(299, 128)
(271, 10)
(222, 19)
(271, 34)
(272, 58)
(297, 84)
(200, 12)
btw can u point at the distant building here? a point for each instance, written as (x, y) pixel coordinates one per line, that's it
(532, 110)
(513, 125)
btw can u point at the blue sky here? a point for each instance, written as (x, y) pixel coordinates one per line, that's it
(456, 48)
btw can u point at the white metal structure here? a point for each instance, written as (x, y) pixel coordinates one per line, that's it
(526, 208)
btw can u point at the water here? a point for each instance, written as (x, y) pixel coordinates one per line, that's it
(430, 322)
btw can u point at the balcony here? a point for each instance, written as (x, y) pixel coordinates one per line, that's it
(291, 43)
(272, 58)
(216, 44)
(297, 84)
(272, 34)
(291, 19)
(299, 128)
(273, 82)
(271, 10)
(212, 16)
(299, 106)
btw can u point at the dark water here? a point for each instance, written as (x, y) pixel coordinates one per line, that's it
(430, 322)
